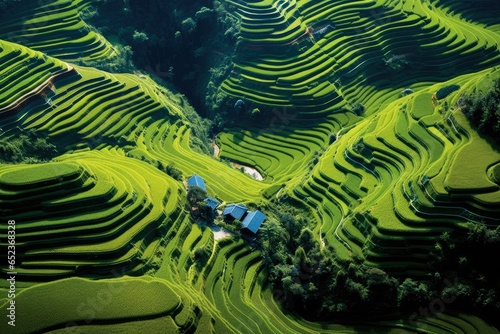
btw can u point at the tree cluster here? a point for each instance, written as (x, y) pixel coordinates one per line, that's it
(314, 283)
(28, 147)
(196, 195)
(309, 279)
(484, 111)
(6, 4)
(445, 91)
(200, 256)
(396, 63)
(188, 43)
(472, 263)
(171, 170)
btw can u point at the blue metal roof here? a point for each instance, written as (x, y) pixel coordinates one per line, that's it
(196, 181)
(235, 210)
(253, 220)
(212, 202)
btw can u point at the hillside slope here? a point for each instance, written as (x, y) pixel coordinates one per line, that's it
(104, 238)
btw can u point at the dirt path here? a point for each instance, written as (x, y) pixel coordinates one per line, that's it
(250, 171)
(219, 232)
(36, 91)
(216, 149)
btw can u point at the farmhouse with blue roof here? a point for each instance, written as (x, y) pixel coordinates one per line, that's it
(196, 181)
(234, 211)
(209, 208)
(252, 221)
(212, 203)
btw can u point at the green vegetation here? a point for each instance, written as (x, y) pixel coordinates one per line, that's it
(465, 263)
(26, 148)
(42, 174)
(445, 91)
(97, 210)
(483, 111)
(125, 304)
(190, 46)
(196, 195)
(382, 199)
(4, 4)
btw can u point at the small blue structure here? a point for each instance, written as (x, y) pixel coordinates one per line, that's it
(253, 220)
(234, 211)
(209, 209)
(196, 181)
(212, 203)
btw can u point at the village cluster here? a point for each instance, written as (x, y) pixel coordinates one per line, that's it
(250, 220)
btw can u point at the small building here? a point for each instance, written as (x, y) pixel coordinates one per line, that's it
(212, 203)
(252, 221)
(209, 208)
(234, 211)
(196, 181)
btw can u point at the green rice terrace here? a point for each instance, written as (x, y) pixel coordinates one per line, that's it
(363, 133)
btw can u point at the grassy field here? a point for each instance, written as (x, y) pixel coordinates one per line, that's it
(104, 238)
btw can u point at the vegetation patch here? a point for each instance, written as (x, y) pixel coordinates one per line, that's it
(107, 302)
(445, 91)
(39, 174)
(482, 110)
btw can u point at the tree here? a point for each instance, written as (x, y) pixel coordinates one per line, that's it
(396, 63)
(4, 4)
(127, 54)
(174, 172)
(382, 290)
(27, 146)
(196, 195)
(412, 294)
(272, 236)
(483, 111)
(358, 109)
(255, 112)
(204, 14)
(200, 257)
(306, 240)
(291, 226)
(237, 224)
(300, 257)
(272, 233)
(139, 36)
(189, 26)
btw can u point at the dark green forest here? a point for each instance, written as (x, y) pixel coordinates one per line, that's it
(483, 110)
(188, 44)
(314, 283)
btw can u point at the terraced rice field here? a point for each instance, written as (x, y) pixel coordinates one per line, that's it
(106, 212)
(301, 65)
(104, 239)
(399, 179)
(56, 29)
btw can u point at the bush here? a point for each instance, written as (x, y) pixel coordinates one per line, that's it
(396, 63)
(8, 3)
(174, 172)
(445, 91)
(358, 109)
